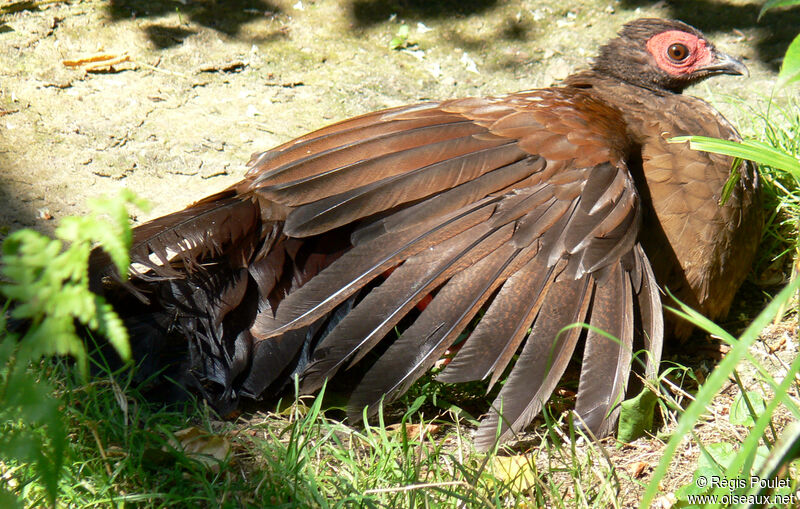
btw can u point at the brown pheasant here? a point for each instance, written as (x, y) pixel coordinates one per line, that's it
(534, 211)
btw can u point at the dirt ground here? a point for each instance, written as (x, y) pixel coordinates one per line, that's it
(208, 83)
(203, 84)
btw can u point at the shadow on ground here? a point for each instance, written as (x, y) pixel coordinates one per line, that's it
(226, 16)
(15, 214)
(776, 29)
(369, 12)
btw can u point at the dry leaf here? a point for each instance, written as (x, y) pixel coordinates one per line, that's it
(517, 470)
(116, 451)
(566, 393)
(198, 444)
(98, 62)
(297, 408)
(637, 469)
(665, 502)
(414, 431)
(234, 66)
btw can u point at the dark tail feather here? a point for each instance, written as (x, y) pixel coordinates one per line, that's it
(190, 298)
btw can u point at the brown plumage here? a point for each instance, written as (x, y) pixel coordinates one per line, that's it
(538, 209)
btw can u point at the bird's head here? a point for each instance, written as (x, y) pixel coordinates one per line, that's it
(665, 55)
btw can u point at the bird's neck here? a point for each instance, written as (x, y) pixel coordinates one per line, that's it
(681, 187)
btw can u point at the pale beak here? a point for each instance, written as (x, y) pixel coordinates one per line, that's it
(726, 64)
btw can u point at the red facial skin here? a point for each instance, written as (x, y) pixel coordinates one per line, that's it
(699, 53)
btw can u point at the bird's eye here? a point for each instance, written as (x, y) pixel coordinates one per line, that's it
(677, 52)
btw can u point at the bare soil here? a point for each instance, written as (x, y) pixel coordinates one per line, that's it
(210, 82)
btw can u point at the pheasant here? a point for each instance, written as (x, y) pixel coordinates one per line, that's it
(378, 242)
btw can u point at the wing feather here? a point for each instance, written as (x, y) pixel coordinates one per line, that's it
(521, 207)
(543, 360)
(340, 163)
(606, 360)
(501, 330)
(268, 165)
(359, 266)
(432, 333)
(208, 228)
(350, 205)
(386, 305)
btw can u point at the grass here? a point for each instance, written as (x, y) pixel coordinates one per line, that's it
(122, 451)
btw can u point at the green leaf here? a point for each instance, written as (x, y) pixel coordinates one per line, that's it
(636, 416)
(400, 39)
(771, 4)
(786, 450)
(790, 69)
(28, 403)
(48, 281)
(730, 184)
(694, 488)
(713, 461)
(751, 455)
(110, 325)
(740, 414)
(748, 149)
(717, 457)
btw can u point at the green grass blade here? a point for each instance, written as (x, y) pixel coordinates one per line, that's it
(715, 380)
(747, 149)
(743, 461)
(790, 69)
(771, 4)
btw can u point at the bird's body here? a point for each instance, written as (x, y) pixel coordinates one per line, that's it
(537, 209)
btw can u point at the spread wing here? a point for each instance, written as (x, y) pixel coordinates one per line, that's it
(519, 208)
